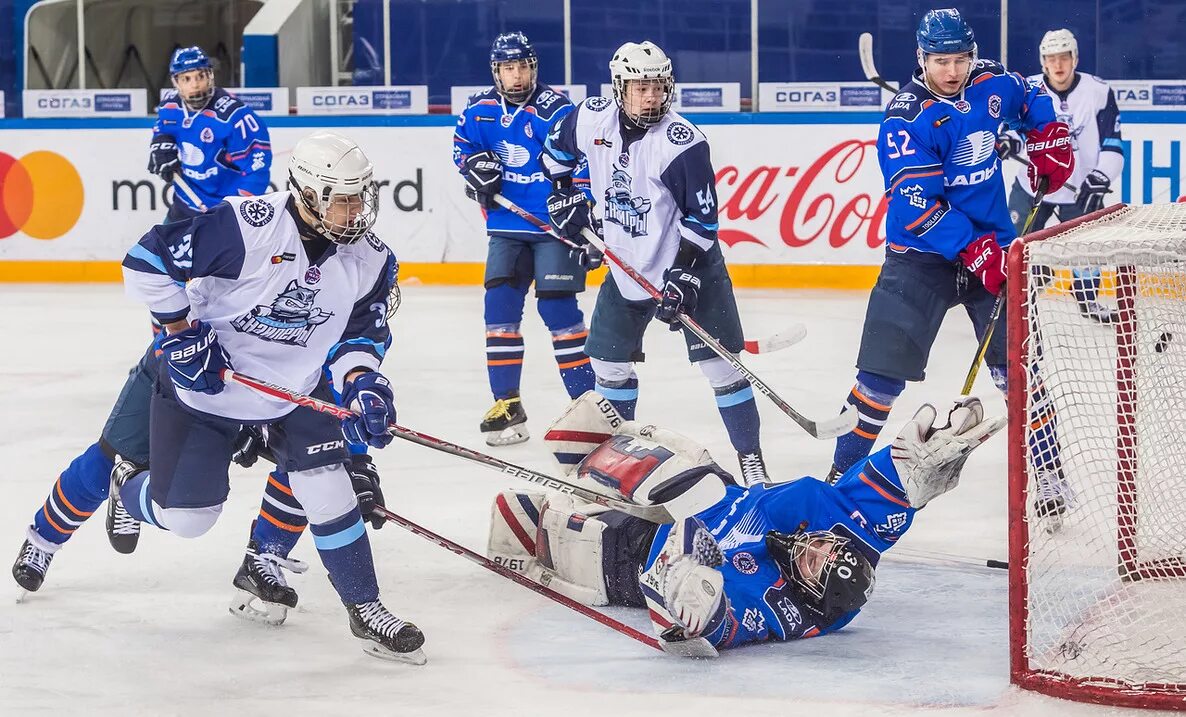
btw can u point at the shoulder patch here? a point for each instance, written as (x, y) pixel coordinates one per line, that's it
(256, 212)
(376, 243)
(597, 104)
(680, 133)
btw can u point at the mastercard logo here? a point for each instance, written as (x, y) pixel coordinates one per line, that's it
(40, 195)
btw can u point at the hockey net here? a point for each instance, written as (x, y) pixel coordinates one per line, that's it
(1097, 410)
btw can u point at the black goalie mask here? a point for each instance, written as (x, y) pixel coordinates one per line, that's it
(831, 577)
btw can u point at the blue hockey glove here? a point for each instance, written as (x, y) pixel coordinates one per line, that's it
(681, 292)
(365, 480)
(1095, 187)
(195, 359)
(369, 395)
(163, 159)
(568, 210)
(483, 177)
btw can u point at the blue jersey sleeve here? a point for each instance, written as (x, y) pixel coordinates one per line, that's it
(464, 141)
(693, 185)
(367, 336)
(1034, 106)
(157, 267)
(248, 151)
(561, 154)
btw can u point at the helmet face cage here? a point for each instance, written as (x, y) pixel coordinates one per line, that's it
(322, 206)
(189, 59)
(514, 47)
(645, 117)
(516, 95)
(817, 545)
(198, 99)
(394, 297)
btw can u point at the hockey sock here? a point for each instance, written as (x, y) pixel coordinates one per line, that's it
(739, 412)
(76, 495)
(504, 359)
(872, 397)
(281, 518)
(1043, 428)
(346, 554)
(576, 372)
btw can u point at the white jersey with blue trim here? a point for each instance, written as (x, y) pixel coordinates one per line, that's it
(243, 268)
(651, 191)
(1089, 108)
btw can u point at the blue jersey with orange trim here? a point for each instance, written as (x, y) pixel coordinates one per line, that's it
(938, 158)
(225, 149)
(516, 134)
(867, 505)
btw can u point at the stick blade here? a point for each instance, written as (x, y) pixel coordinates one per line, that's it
(835, 427)
(865, 48)
(778, 341)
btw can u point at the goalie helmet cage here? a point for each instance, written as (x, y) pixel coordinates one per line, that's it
(1097, 605)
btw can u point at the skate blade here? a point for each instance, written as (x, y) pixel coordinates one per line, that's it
(508, 436)
(251, 608)
(21, 594)
(374, 649)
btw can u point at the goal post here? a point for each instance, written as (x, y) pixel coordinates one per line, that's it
(1097, 599)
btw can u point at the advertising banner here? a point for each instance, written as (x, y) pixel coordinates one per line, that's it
(699, 96)
(86, 103)
(263, 100)
(821, 97)
(395, 100)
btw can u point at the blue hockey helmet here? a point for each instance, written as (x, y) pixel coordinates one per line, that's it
(514, 47)
(945, 32)
(188, 59)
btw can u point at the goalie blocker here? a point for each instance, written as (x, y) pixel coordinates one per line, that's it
(771, 562)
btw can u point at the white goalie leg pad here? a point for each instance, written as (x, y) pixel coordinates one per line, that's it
(568, 552)
(929, 458)
(587, 422)
(514, 522)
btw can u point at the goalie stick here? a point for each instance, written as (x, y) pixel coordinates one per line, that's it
(653, 513)
(823, 430)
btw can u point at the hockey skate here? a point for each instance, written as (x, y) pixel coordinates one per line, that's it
(262, 594)
(1052, 501)
(1099, 313)
(753, 469)
(122, 529)
(506, 423)
(384, 635)
(32, 563)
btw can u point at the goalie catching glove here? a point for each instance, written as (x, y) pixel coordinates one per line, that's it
(929, 458)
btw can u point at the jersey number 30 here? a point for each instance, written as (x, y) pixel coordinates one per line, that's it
(895, 150)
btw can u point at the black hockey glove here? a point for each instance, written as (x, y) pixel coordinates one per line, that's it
(1092, 192)
(1008, 146)
(249, 446)
(365, 479)
(585, 253)
(163, 159)
(568, 210)
(483, 177)
(681, 291)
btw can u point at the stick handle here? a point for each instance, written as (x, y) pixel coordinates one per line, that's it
(180, 183)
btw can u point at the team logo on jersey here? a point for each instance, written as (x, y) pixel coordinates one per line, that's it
(511, 154)
(790, 613)
(192, 154)
(745, 563)
(597, 104)
(890, 530)
(680, 133)
(963, 106)
(528, 131)
(994, 106)
(506, 120)
(376, 243)
(753, 620)
(622, 208)
(290, 319)
(975, 148)
(207, 135)
(312, 275)
(623, 160)
(905, 97)
(256, 212)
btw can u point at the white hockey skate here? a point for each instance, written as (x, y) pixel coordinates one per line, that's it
(1052, 501)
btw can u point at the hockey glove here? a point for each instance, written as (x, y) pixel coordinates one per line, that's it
(223, 159)
(483, 177)
(681, 292)
(1051, 155)
(585, 253)
(369, 395)
(568, 210)
(195, 359)
(929, 458)
(693, 588)
(249, 446)
(985, 258)
(365, 479)
(1008, 146)
(1092, 192)
(163, 159)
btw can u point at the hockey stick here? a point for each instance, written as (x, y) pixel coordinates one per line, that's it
(789, 336)
(828, 429)
(865, 49)
(518, 578)
(995, 316)
(180, 183)
(653, 513)
(948, 558)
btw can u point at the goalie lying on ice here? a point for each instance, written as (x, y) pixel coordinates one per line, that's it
(771, 562)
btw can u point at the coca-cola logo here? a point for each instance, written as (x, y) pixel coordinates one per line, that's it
(811, 204)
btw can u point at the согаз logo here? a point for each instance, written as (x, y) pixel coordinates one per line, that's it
(40, 195)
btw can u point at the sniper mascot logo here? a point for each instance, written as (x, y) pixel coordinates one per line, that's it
(621, 208)
(40, 195)
(291, 319)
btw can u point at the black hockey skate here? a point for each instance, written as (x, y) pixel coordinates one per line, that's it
(384, 635)
(32, 563)
(1052, 500)
(506, 423)
(1099, 313)
(753, 469)
(122, 529)
(833, 475)
(262, 594)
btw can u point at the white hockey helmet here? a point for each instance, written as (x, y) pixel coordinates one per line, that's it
(1057, 42)
(333, 180)
(642, 61)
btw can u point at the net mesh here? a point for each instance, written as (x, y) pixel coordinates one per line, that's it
(1105, 472)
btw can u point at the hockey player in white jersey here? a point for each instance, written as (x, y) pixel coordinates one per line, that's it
(272, 285)
(655, 192)
(1088, 106)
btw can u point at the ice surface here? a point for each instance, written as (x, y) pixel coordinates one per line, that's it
(150, 632)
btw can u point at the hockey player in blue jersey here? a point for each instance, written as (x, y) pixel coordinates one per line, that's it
(948, 225)
(496, 147)
(739, 565)
(215, 142)
(655, 191)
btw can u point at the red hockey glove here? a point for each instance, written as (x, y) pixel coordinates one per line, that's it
(1051, 155)
(984, 258)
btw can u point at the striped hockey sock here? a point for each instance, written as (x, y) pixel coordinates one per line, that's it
(873, 396)
(575, 370)
(346, 553)
(623, 394)
(504, 360)
(739, 412)
(281, 518)
(76, 495)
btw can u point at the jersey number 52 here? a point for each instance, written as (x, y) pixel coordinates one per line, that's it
(895, 150)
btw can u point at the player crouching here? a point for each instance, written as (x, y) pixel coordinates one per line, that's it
(771, 562)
